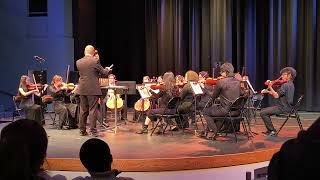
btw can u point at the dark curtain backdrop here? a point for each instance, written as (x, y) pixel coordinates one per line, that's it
(263, 36)
(154, 36)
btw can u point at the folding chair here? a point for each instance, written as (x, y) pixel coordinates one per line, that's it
(166, 117)
(16, 111)
(252, 106)
(199, 112)
(235, 112)
(292, 114)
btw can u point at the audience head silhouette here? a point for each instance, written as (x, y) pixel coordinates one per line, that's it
(95, 155)
(296, 158)
(23, 146)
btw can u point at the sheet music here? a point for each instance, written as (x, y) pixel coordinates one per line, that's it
(197, 90)
(250, 86)
(143, 91)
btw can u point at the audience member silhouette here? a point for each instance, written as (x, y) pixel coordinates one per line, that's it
(96, 157)
(298, 158)
(23, 148)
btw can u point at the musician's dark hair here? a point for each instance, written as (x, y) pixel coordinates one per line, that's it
(289, 70)
(204, 74)
(23, 148)
(169, 83)
(228, 68)
(95, 155)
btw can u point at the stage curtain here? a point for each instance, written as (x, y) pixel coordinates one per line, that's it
(263, 36)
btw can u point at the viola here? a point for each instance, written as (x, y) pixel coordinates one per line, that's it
(31, 87)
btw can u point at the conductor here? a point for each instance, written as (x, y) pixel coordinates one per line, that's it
(90, 70)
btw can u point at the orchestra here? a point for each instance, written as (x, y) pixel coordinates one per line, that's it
(216, 97)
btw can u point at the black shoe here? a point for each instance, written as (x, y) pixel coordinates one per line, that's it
(94, 134)
(273, 133)
(266, 132)
(83, 133)
(174, 128)
(143, 131)
(160, 130)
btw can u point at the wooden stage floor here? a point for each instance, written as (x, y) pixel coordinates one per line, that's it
(135, 152)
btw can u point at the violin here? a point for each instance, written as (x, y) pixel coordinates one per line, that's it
(181, 84)
(213, 81)
(156, 86)
(31, 87)
(70, 86)
(277, 82)
(47, 99)
(67, 86)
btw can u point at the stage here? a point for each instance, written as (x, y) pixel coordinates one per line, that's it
(135, 152)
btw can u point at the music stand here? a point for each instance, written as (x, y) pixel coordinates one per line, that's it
(131, 90)
(115, 89)
(250, 106)
(197, 91)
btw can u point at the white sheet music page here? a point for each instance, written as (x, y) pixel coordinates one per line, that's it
(143, 91)
(197, 90)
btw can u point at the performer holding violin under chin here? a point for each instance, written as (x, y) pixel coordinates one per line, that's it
(284, 96)
(187, 95)
(59, 91)
(167, 91)
(27, 90)
(228, 90)
(207, 90)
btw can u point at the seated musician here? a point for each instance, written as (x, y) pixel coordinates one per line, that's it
(110, 95)
(187, 95)
(207, 91)
(159, 80)
(146, 79)
(58, 90)
(141, 114)
(228, 90)
(167, 91)
(180, 82)
(111, 82)
(32, 111)
(284, 95)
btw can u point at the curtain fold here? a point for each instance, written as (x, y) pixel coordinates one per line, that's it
(263, 36)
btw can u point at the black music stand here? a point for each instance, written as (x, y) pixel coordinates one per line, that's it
(197, 91)
(116, 88)
(130, 90)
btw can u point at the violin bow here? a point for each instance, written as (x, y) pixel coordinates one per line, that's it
(35, 82)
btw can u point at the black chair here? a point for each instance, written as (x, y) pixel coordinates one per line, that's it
(198, 112)
(292, 114)
(16, 111)
(235, 113)
(166, 117)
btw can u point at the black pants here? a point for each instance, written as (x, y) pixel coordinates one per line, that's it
(34, 112)
(267, 112)
(212, 112)
(62, 111)
(88, 109)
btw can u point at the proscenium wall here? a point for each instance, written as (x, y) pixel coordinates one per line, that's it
(22, 37)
